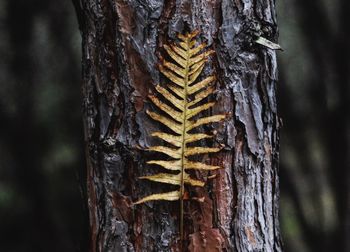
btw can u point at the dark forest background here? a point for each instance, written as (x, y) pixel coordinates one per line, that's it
(41, 136)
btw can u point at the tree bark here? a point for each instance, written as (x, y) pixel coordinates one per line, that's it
(121, 44)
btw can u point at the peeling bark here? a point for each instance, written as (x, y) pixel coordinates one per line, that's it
(121, 41)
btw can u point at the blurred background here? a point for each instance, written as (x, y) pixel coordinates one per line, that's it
(41, 142)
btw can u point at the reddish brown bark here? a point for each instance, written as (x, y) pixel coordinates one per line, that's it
(121, 41)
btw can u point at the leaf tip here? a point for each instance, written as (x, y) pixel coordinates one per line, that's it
(193, 33)
(212, 176)
(198, 199)
(211, 51)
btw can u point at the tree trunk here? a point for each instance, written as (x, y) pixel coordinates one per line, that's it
(121, 44)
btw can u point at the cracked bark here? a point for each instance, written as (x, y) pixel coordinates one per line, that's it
(121, 41)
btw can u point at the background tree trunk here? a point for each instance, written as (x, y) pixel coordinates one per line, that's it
(121, 41)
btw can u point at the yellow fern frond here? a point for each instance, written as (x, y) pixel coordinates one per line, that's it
(174, 165)
(178, 91)
(186, 98)
(172, 139)
(170, 196)
(190, 138)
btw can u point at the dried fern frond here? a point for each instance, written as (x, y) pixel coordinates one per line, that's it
(186, 97)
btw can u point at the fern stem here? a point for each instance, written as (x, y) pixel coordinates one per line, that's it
(183, 147)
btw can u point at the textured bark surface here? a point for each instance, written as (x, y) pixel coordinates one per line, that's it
(121, 41)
